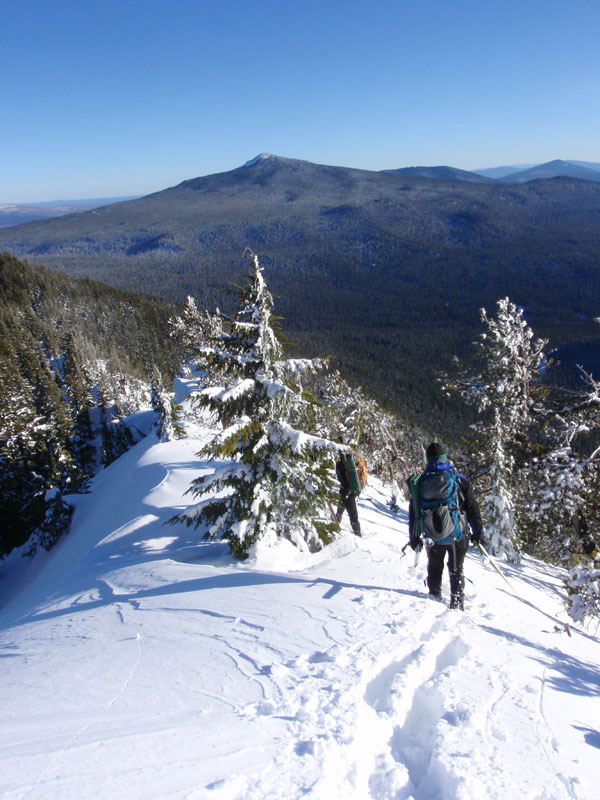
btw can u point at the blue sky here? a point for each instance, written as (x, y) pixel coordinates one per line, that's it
(124, 97)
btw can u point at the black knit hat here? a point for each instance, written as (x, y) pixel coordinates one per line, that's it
(435, 451)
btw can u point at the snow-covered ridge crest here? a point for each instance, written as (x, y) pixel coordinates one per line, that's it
(259, 158)
(288, 675)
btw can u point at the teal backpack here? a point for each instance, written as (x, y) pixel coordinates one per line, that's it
(352, 473)
(435, 506)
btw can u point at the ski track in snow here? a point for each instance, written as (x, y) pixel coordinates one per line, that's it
(140, 664)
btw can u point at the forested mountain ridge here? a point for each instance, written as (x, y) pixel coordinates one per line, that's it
(442, 173)
(385, 271)
(76, 357)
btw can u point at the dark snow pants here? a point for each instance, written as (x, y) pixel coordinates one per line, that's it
(348, 503)
(456, 553)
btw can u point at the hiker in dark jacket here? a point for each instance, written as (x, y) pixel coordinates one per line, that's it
(347, 497)
(437, 462)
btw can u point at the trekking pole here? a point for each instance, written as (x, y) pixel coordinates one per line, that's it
(334, 515)
(494, 565)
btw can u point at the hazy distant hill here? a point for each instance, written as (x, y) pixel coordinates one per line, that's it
(553, 169)
(590, 164)
(385, 270)
(442, 174)
(500, 172)
(17, 214)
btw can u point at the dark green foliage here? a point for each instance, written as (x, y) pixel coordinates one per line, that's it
(166, 411)
(56, 521)
(90, 319)
(69, 349)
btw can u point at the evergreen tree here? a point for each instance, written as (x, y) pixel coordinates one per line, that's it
(37, 465)
(276, 478)
(18, 483)
(503, 390)
(166, 425)
(107, 432)
(194, 330)
(55, 523)
(583, 591)
(115, 436)
(77, 387)
(562, 506)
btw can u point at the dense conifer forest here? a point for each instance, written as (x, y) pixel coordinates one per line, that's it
(76, 357)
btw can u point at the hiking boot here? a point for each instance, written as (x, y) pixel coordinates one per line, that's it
(457, 602)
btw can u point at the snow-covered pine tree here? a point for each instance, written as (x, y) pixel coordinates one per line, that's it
(583, 591)
(502, 390)
(194, 330)
(36, 456)
(113, 403)
(563, 501)
(107, 432)
(18, 484)
(271, 479)
(77, 383)
(166, 425)
(55, 524)
(555, 486)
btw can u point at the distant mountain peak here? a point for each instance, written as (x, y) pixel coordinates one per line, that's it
(554, 169)
(259, 158)
(556, 162)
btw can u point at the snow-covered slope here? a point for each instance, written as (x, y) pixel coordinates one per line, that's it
(140, 663)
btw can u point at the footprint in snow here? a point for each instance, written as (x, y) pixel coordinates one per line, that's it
(320, 657)
(304, 748)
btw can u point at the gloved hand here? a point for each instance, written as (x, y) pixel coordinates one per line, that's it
(476, 537)
(414, 543)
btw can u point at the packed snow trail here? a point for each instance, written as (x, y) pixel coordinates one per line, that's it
(138, 662)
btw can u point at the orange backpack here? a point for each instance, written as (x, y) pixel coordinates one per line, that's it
(356, 471)
(361, 469)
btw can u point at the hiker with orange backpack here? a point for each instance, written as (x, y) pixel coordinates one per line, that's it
(351, 472)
